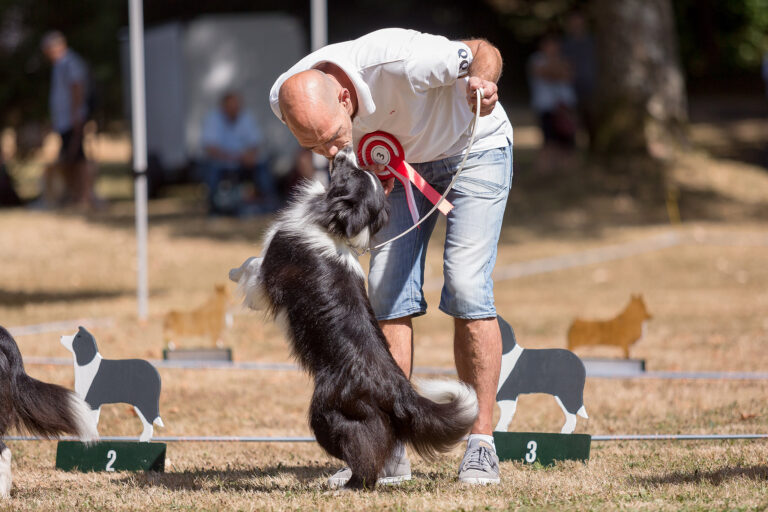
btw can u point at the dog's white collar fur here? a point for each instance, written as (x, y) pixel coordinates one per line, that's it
(294, 219)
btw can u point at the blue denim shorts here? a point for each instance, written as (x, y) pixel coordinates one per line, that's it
(479, 197)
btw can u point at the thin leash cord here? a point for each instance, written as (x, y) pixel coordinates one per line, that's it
(479, 94)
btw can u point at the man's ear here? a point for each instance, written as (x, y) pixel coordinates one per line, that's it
(345, 98)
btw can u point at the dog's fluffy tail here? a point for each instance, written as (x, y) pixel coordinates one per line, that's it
(42, 409)
(440, 415)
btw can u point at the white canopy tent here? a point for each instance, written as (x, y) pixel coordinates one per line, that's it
(319, 37)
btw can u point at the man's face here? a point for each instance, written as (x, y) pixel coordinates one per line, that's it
(231, 106)
(327, 134)
(318, 111)
(55, 50)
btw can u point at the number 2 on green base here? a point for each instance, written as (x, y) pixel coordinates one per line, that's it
(112, 457)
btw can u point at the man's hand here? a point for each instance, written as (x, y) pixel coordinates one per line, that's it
(490, 95)
(388, 184)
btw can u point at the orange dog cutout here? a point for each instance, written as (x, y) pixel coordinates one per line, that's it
(623, 331)
(206, 321)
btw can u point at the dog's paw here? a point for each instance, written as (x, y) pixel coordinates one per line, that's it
(250, 266)
(6, 481)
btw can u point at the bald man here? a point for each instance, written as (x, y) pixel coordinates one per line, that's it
(420, 88)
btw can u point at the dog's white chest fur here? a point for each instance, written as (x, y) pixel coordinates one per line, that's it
(85, 374)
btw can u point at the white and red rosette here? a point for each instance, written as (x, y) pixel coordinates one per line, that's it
(384, 149)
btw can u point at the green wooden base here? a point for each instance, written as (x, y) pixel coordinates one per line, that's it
(110, 456)
(544, 448)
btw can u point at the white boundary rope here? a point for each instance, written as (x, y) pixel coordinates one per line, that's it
(423, 370)
(65, 325)
(299, 439)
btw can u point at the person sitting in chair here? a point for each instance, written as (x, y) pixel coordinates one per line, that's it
(231, 141)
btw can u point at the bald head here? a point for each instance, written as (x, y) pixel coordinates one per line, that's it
(317, 110)
(308, 95)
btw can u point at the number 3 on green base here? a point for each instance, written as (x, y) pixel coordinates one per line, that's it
(530, 457)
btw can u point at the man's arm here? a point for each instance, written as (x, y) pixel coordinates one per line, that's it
(484, 72)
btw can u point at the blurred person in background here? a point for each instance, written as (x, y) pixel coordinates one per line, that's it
(8, 196)
(231, 141)
(69, 104)
(765, 79)
(554, 100)
(765, 72)
(303, 169)
(579, 51)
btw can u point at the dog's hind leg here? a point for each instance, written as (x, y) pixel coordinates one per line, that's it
(508, 408)
(146, 434)
(6, 480)
(570, 419)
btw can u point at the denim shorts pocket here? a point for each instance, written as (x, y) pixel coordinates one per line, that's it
(486, 174)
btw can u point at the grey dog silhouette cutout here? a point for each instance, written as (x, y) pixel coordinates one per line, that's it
(101, 381)
(557, 372)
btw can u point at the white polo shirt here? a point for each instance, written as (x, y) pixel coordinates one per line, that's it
(414, 86)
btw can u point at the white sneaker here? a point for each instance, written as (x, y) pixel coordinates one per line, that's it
(396, 470)
(480, 465)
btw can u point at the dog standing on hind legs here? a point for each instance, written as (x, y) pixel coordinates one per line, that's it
(309, 279)
(42, 409)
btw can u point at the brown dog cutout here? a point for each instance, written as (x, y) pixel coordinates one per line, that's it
(206, 321)
(622, 331)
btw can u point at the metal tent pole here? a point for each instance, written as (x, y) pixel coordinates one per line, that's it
(139, 135)
(319, 37)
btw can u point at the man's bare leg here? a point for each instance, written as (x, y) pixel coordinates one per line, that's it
(477, 351)
(399, 334)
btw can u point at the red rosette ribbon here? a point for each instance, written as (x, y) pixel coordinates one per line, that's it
(383, 148)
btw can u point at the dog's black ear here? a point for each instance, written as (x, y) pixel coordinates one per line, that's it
(84, 347)
(380, 217)
(346, 216)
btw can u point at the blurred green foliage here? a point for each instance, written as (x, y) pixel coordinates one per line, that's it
(721, 37)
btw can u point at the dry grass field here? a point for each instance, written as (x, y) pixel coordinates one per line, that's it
(708, 295)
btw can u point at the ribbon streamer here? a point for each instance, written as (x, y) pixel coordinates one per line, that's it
(383, 148)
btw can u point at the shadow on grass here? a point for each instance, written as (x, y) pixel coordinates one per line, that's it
(259, 479)
(576, 203)
(240, 480)
(21, 298)
(715, 477)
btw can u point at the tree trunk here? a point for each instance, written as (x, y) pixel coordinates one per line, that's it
(641, 103)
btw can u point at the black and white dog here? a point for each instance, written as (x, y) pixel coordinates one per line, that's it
(102, 381)
(42, 409)
(309, 279)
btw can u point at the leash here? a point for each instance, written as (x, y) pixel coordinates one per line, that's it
(479, 95)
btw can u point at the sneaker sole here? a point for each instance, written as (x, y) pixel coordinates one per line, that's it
(480, 481)
(389, 480)
(393, 480)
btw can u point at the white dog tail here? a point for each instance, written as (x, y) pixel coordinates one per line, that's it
(159, 422)
(582, 412)
(438, 416)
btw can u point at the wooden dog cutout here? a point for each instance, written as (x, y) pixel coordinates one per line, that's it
(623, 331)
(101, 381)
(207, 320)
(553, 371)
